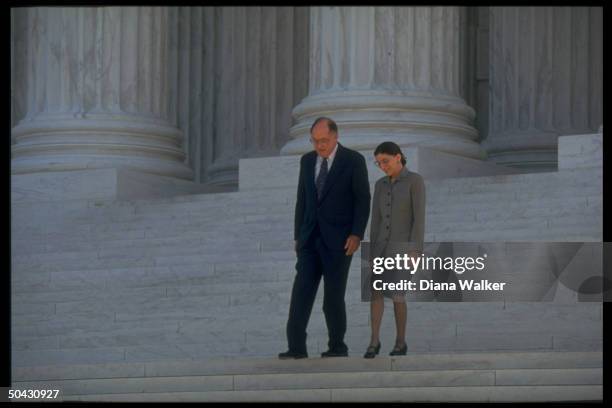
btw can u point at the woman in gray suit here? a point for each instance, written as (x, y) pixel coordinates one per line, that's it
(397, 226)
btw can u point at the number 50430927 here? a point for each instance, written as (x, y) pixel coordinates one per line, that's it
(32, 394)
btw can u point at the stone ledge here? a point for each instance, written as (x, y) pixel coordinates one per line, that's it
(580, 151)
(499, 360)
(96, 184)
(283, 171)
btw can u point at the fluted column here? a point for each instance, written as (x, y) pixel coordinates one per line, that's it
(388, 73)
(546, 73)
(236, 74)
(96, 86)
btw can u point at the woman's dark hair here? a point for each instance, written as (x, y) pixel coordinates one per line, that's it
(391, 149)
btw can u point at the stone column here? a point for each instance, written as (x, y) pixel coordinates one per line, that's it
(236, 74)
(388, 73)
(96, 92)
(546, 73)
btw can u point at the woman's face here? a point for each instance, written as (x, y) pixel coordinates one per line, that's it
(390, 164)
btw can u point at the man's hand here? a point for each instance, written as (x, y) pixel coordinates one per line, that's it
(351, 245)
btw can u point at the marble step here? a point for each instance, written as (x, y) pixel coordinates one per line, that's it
(37, 322)
(263, 231)
(467, 184)
(188, 324)
(129, 205)
(166, 345)
(317, 381)
(533, 373)
(165, 333)
(68, 243)
(272, 223)
(459, 312)
(226, 213)
(178, 287)
(242, 344)
(265, 240)
(529, 184)
(219, 366)
(80, 263)
(267, 227)
(576, 176)
(221, 271)
(275, 227)
(239, 345)
(160, 333)
(591, 232)
(169, 272)
(241, 319)
(40, 295)
(151, 247)
(240, 212)
(550, 186)
(416, 394)
(276, 240)
(532, 184)
(65, 333)
(570, 223)
(244, 214)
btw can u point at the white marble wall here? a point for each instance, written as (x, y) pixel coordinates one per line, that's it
(546, 76)
(388, 73)
(94, 91)
(236, 74)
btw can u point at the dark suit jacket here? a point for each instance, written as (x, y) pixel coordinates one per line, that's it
(344, 207)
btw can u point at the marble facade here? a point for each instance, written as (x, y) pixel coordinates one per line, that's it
(546, 80)
(185, 92)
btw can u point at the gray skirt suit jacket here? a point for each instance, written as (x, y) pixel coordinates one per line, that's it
(398, 215)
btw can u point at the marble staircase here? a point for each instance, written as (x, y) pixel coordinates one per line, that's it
(187, 279)
(424, 377)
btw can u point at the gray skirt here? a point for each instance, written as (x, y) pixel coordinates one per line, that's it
(389, 275)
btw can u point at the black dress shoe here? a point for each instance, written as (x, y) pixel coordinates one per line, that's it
(372, 351)
(334, 353)
(292, 355)
(399, 351)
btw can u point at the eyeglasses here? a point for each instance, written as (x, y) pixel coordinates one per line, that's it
(323, 142)
(383, 161)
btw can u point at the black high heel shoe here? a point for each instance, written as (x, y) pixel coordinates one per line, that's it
(399, 351)
(372, 351)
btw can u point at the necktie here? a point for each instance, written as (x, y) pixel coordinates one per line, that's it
(321, 178)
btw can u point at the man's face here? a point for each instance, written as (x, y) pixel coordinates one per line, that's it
(323, 140)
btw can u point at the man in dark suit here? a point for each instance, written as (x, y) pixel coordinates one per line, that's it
(331, 214)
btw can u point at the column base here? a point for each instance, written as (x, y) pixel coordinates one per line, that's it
(367, 118)
(61, 142)
(223, 175)
(534, 152)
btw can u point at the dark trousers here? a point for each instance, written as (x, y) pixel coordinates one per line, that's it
(315, 260)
